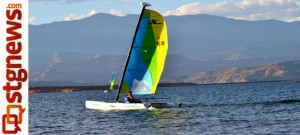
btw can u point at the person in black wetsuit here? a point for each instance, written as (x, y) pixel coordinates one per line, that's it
(129, 98)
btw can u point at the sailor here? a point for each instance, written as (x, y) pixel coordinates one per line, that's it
(130, 99)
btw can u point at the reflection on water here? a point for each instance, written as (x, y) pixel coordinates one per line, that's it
(262, 108)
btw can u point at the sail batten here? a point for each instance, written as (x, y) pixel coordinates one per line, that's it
(147, 57)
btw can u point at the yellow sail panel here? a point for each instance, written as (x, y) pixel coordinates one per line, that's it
(147, 59)
(160, 33)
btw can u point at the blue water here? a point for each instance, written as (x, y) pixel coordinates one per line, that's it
(256, 108)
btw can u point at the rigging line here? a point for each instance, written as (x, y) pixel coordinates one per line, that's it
(119, 63)
(116, 71)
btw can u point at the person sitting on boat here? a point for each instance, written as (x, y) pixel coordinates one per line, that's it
(130, 99)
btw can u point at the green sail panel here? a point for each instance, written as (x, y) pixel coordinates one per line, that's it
(148, 54)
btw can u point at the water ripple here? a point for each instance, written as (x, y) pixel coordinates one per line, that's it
(262, 108)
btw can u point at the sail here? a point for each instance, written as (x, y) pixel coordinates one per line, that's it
(148, 54)
(112, 82)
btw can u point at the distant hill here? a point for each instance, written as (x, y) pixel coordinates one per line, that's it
(100, 68)
(90, 50)
(202, 37)
(55, 83)
(269, 72)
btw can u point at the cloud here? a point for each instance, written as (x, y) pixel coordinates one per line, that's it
(118, 12)
(285, 10)
(31, 20)
(73, 16)
(294, 19)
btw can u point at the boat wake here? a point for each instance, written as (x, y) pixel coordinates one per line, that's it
(286, 101)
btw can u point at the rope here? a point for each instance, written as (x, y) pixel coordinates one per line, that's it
(116, 71)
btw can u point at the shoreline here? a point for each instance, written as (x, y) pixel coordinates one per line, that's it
(51, 89)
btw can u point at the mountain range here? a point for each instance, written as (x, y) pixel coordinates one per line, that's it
(91, 50)
(285, 71)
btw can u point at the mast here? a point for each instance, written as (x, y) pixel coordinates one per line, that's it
(144, 4)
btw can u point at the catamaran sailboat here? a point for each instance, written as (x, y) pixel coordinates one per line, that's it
(144, 64)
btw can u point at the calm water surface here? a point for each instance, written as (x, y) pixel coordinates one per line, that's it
(258, 108)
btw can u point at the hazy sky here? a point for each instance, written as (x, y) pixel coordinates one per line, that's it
(47, 11)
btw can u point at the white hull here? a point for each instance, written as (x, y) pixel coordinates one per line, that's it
(104, 106)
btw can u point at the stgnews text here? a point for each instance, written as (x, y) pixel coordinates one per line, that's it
(14, 66)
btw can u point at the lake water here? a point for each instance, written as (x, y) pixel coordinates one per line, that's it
(254, 108)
